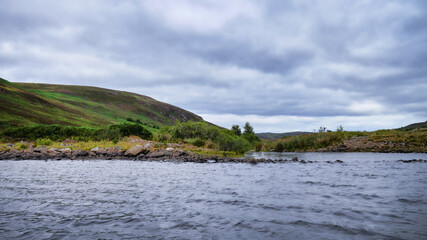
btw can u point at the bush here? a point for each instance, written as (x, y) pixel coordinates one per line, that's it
(43, 142)
(258, 146)
(56, 132)
(23, 146)
(199, 143)
(108, 134)
(127, 129)
(279, 147)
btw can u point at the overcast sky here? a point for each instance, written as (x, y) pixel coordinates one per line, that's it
(281, 65)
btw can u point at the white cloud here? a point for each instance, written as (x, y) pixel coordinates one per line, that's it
(200, 16)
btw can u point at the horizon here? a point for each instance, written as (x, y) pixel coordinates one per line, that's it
(282, 67)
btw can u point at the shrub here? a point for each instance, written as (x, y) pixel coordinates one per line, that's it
(43, 142)
(258, 146)
(108, 133)
(56, 132)
(279, 147)
(23, 146)
(127, 129)
(199, 143)
(162, 137)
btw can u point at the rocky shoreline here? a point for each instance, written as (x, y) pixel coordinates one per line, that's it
(137, 153)
(140, 153)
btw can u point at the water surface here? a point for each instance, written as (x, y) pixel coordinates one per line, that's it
(366, 197)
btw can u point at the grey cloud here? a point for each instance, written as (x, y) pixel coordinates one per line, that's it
(268, 79)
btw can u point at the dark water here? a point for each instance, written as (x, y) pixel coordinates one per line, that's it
(369, 196)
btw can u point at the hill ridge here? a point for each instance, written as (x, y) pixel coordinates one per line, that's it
(42, 103)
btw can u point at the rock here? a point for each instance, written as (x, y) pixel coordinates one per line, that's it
(95, 149)
(135, 150)
(253, 161)
(211, 161)
(157, 154)
(81, 153)
(339, 161)
(40, 149)
(114, 149)
(295, 159)
(169, 149)
(147, 146)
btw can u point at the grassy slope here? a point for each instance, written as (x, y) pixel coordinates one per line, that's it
(421, 125)
(29, 103)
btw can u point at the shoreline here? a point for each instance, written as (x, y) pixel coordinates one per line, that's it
(140, 153)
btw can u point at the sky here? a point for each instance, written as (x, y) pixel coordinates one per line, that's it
(281, 65)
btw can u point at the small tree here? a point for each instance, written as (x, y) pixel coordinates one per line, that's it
(249, 133)
(248, 128)
(236, 129)
(340, 128)
(322, 129)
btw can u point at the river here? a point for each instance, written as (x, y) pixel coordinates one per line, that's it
(369, 196)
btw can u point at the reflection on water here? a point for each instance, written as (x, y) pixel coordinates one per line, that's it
(363, 198)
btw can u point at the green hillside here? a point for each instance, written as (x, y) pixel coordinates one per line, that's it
(31, 103)
(414, 126)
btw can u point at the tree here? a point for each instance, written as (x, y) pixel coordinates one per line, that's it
(248, 128)
(340, 128)
(322, 129)
(249, 133)
(236, 129)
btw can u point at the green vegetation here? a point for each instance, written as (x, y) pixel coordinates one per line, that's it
(207, 135)
(47, 114)
(414, 126)
(44, 133)
(308, 142)
(381, 140)
(26, 104)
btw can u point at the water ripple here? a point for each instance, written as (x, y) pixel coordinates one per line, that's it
(361, 199)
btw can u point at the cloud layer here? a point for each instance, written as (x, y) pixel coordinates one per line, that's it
(285, 66)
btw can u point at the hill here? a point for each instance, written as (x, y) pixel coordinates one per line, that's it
(272, 136)
(32, 103)
(414, 126)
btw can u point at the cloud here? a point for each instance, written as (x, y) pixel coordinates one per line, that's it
(299, 61)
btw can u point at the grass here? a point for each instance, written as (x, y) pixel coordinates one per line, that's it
(211, 153)
(414, 140)
(30, 103)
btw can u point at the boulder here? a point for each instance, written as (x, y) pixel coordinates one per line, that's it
(157, 154)
(135, 150)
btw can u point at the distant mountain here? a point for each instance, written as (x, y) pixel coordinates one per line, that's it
(29, 103)
(272, 136)
(414, 126)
